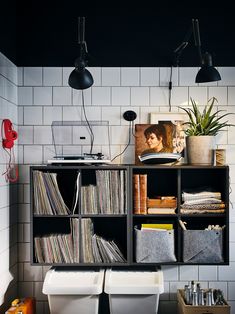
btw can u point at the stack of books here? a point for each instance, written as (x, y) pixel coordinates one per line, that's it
(140, 193)
(162, 205)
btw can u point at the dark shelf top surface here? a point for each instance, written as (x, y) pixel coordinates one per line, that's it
(124, 166)
(81, 215)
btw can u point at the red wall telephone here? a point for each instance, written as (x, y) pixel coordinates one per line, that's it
(8, 137)
(8, 134)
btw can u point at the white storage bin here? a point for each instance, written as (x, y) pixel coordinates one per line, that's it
(73, 291)
(133, 292)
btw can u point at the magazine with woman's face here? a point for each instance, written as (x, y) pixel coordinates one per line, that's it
(166, 138)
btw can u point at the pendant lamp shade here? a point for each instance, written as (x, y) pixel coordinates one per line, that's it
(207, 73)
(80, 77)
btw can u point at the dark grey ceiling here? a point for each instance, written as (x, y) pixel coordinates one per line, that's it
(44, 33)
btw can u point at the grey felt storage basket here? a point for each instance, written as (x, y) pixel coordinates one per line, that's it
(154, 246)
(203, 246)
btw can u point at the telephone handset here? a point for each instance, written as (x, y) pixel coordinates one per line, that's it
(9, 135)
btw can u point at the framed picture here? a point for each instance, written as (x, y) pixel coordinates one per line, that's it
(177, 121)
(155, 117)
(164, 134)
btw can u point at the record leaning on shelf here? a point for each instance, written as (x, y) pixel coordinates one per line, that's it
(159, 158)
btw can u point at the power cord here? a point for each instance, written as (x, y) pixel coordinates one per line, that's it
(128, 116)
(170, 88)
(88, 124)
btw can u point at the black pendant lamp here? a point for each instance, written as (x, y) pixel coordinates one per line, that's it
(207, 72)
(80, 77)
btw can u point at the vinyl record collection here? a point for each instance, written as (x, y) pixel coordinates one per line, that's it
(64, 248)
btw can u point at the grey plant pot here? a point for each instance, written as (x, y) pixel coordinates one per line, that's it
(200, 150)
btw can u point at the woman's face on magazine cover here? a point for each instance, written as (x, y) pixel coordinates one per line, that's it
(153, 141)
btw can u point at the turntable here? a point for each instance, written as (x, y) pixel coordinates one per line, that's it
(76, 143)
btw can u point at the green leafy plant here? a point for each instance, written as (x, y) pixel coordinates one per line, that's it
(205, 122)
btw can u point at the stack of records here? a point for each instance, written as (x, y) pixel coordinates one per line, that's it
(159, 158)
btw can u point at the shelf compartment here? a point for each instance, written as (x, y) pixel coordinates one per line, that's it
(161, 239)
(52, 240)
(103, 239)
(160, 181)
(53, 192)
(197, 225)
(104, 191)
(216, 178)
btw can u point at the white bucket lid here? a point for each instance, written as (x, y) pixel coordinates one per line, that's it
(62, 282)
(133, 282)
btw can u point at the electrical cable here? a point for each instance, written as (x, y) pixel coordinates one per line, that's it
(128, 143)
(88, 124)
(11, 173)
(170, 88)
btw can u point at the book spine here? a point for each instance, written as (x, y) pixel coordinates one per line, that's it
(143, 194)
(136, 193)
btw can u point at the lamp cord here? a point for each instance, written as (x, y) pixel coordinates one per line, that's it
(81, 29)
(170, 89)
(88, 124)
(129, 140)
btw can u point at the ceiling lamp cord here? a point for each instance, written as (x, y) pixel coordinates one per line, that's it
(88, 124)
(170, 89)
(80, 77)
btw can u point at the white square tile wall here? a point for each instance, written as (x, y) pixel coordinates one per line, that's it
(139, 96)
(120, 96)
(25, 96)
(149, 76)
(32, 76)
(77, 97)
(130, 76)
(52, 76)
(72, 113)
(8, 211)
(111, 76)
(220, 93)
(101, 96)
(159, 96)
(169, 74)
(199, 94)
(42, 96)
(187, 76)
(32, 115)
(96, 73)
(62, 96)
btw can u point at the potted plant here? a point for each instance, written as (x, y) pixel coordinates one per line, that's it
(201, 130)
